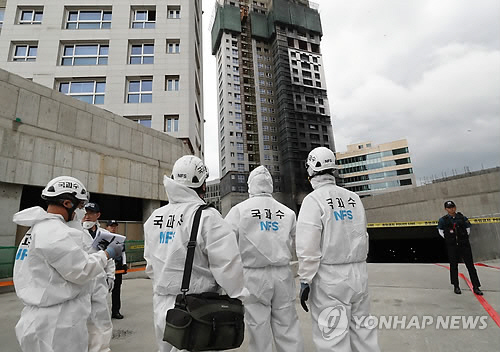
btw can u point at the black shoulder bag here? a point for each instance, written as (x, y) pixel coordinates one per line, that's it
(203, 321)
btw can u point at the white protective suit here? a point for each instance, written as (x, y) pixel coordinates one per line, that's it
(216, 258)
(51, 276)
(332, 246)
(99, 325)
(265, 230)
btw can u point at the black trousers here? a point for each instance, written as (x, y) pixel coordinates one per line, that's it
(455, 253)
(116, 303)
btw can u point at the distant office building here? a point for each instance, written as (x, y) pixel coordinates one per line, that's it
(272, 100)
(213, 193)
(369, 169)
(141, 60)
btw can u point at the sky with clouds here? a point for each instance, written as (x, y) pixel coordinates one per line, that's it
(424, 70)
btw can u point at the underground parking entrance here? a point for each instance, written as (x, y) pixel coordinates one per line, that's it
(420, 244)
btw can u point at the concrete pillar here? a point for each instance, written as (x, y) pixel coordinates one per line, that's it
(10, 200)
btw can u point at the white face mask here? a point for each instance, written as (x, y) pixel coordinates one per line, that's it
(79, 214)
(88, 224)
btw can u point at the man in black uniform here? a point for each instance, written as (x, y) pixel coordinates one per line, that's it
(455, 229)
(112, 226)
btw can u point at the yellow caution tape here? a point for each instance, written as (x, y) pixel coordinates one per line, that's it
(428, 223)
(137, 246)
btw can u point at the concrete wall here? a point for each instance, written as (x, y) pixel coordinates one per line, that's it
(476, 195)
(58, 135)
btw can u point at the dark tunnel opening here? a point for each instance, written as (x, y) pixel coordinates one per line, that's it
(406, 245)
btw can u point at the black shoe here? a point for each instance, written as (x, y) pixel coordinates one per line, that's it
(116, 316)
(477, 291)
(457, 290)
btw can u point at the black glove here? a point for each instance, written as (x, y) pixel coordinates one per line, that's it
(103, 244)
(304, 295)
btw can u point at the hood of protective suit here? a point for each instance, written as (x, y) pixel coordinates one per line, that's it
(178, 193)
(260, 181)
(321, 180)
(31, 216)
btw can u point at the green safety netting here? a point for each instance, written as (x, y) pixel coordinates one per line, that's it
(7, 255)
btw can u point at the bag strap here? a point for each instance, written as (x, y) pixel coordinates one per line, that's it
(188, 266)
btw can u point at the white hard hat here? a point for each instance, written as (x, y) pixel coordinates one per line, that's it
(65, 185)
(190, 171)
(320, 159)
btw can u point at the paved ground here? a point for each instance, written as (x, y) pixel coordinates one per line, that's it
(396, 289)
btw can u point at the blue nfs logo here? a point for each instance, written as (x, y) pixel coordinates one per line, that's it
(22, 253)
(343, 214)
(269, 226)
(166, 236)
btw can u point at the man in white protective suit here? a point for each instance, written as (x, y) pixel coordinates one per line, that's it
(332, 246)
(52, 272)
(99, 325)
(265, 230)
(217, 260)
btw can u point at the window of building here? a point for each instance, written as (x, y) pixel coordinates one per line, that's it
(143, 18)
(239, 146)
(89, 91)
(2, 15)
(406, 182)
(24, 51)
(85, 54)
(142, 120)
(140, 90)
(172, 83)
(142, 53)
(241, 167)
(30, 16)
(173, 46)
(88, 19)
(171, 123)
(173, 12)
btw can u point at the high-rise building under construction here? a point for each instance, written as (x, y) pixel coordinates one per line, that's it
(272, 100)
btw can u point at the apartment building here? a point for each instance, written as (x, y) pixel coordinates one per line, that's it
(141, 60)
(213, 193)
(369, 169)
(272, 100)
